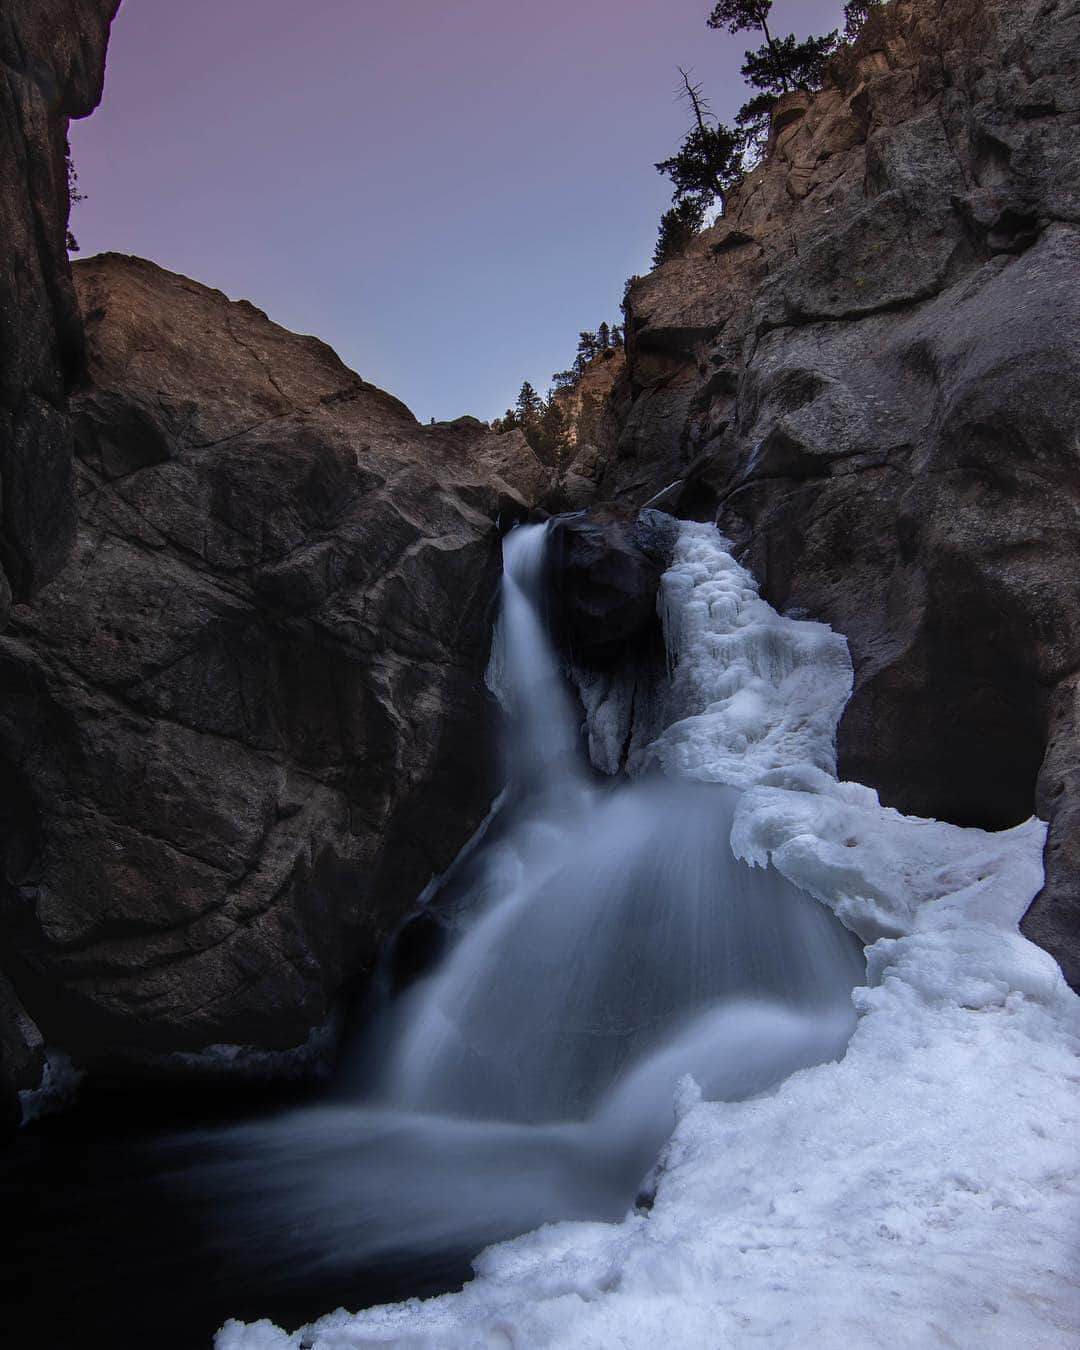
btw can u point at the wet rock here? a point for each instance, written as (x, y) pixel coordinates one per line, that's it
(605, 568)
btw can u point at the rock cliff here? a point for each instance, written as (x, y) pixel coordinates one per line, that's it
(52, 56)
(246, 723)
(869, 374)
(52, 61)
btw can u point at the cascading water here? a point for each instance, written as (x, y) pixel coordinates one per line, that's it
(607, 943)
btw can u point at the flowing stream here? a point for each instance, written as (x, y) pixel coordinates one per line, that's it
(604, 943)
(607, 943)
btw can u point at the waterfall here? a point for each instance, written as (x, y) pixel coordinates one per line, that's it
(607, 944)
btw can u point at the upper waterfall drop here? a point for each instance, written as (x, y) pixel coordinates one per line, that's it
(524, 673)
(623, 918)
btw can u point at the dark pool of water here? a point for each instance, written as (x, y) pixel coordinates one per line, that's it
(105, 1249)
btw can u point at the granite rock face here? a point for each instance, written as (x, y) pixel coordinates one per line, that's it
(52, 59)
(868, 373)
(52, 63)
(246, 723)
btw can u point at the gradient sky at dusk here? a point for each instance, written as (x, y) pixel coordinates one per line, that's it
(444, 192)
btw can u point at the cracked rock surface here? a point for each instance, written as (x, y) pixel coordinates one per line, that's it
(52, 61)
(245, 724)
(868, 373)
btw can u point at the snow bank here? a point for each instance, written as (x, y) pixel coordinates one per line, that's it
(924, 1191)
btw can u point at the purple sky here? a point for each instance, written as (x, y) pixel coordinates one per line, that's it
(444, 192)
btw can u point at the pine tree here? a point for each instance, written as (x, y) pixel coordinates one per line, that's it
(616, 335)
(603, 337)
(856, 13)
(564, 379)
(778, 66)
(588, 346)
(678, 227)
(551, 432)
(709, 161)
(528, 406)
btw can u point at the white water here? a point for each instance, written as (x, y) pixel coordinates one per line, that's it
(609, 944)
(922, 1191)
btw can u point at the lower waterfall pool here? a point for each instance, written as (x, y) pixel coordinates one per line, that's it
(605, 944)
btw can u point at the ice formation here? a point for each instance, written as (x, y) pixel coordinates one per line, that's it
(922, 1191)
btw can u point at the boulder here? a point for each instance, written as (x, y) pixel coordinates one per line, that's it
(604, 568)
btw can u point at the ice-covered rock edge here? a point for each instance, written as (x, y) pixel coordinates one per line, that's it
(923, 1191)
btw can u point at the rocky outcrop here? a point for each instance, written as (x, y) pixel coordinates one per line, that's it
(52, 62)
(52, 57)
(604, 569)
(245, 724)
(869, 374)
(592, 410)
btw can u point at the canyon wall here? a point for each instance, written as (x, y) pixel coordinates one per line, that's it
(52, 59)
(868, 373)
(242, 712)
(246, 723)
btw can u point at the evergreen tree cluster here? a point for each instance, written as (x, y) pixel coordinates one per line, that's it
(713, 156)
(541, 419)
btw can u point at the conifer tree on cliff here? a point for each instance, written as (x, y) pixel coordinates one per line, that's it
(677, 228)
(856, 14)
(528, 405)
(708, 162)
(778, 66)
(703, 170)
(588, 346)
(603, 337)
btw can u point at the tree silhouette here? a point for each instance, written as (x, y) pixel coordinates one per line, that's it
(528, 405)
(677, 228)
(74, 195)
(709, 161)
(856, 13)
(778, 66)
(588, 346)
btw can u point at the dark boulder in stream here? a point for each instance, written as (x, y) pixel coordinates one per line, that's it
(604, 572)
